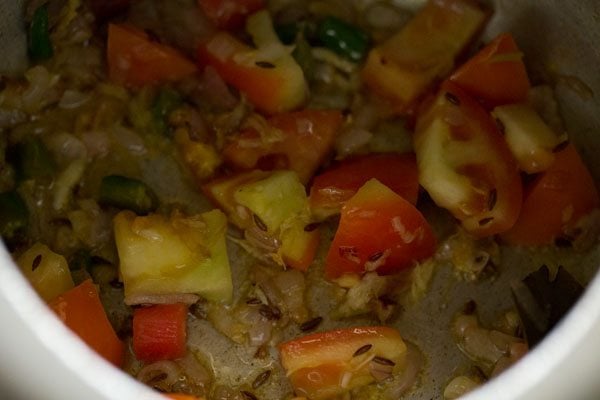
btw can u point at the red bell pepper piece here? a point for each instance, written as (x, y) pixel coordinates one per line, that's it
(159, 332)
(496, 75)
(81, 310)
(378, 231)
(337, 184)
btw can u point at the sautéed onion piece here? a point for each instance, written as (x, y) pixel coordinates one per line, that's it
(198, 123)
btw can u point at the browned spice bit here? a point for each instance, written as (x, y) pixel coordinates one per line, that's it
(261, 352)
(36, 262)
(259, 223)
(500, 126)
(261, 379)
(362, 350)
(451, 97)
(560, 146)
(485, 221)
(470, 307)
(492, 199)
(116, 284)
(253, 301)
(311, 324)
(265, 64)
(248, 395)
(383, 361)
(375, 256)
(198, 309)
(311, 227)
(270, 312)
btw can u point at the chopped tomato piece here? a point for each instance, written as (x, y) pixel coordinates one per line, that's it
(267, 75)
(378, 231)
(496, 75)
(337, 184)
(181, 396)
(328, 364)
(405, 66)
(301, 141)
(555, 201)
(229, 13)
(135, 60)
(159, 332)
(81, 310)
(465, 164)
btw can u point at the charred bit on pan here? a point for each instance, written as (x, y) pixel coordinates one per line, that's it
(311, 324)
(198, 309)
(36, 262)
(362, 350)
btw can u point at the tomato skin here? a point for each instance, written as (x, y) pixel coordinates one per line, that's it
(159, 332)
(337, 184)
(316, 364)
(465, 164)
(229, 14)
(496, 75)
(81, 310)
(307, 138)
(555, 201)
(135, 60)
(378, 231)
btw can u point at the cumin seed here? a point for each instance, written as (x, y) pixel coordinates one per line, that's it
(485, 221)
(362, 350)
(311, 324)
(253, 301)
(261, 379)
(116, 284)
(311, 227)
(36, 262)
(265, 64)
(383, 361)
(560, 146)
(270, 312)
(451, 97)
(248, 395)
(261, 352)
(492, 199)
(375, 256)
(260, 224)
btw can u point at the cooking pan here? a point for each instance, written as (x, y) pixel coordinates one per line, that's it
(41, 359)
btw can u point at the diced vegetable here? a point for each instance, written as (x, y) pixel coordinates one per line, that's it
(267, 75)
(496, 74)
(14, 215)
(337, 184)
(378, 231)
(343, 38)
(159, 332)
(40, 45)
(47, 271)
(196, 261)
(302, 140)
(201, 158)
(81, 310)
(229, 13)
(33, 160)
(165, 103)
(273, 208)
(530, 140)
(135, 60)
(554, 201)
(465, 164)
(405, 66)
(326, 365)
(127, 193)
(181, 396)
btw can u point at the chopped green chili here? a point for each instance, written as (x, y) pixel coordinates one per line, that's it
(344, 39)
(127, 193)
(33, 160)
(165, 103)
(40, 45)
(14, 215)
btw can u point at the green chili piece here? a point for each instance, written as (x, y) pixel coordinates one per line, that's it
(14, 215)
(287, 32)
(345, 39)
(165, 103)
(33, 160)
(127, 193)
(40, 45)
